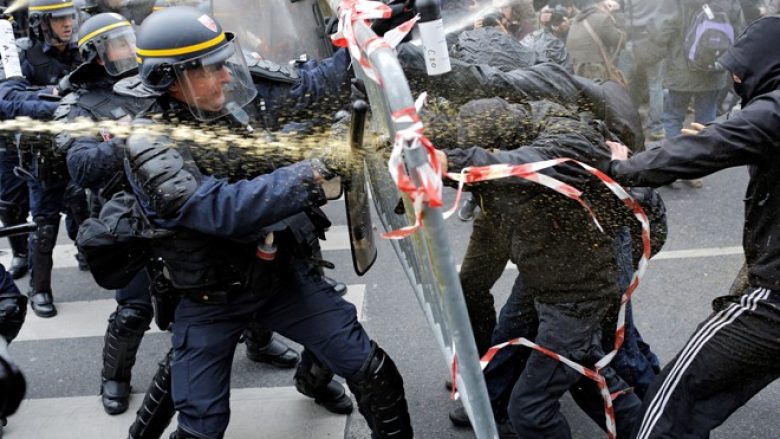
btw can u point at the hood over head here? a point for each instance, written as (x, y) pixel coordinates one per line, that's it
(755, 59)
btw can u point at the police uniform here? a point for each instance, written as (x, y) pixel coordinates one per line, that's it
(44, 64)
(210, 260)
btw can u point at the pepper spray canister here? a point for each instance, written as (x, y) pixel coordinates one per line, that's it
(266, 249)
(434, 41)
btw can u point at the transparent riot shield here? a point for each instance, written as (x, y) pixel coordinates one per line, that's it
(425, 255)
(279, 30)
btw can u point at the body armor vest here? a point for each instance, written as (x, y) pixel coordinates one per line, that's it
(48, 70)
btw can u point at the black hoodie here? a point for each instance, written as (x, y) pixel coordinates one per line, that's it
(750, 137)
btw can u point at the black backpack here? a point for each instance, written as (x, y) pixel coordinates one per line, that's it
(708, 36)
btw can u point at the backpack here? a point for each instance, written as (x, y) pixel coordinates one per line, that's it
(707, 38)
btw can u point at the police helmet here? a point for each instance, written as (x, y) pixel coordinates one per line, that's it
(42, 12)
(181, 48)
(108, 39)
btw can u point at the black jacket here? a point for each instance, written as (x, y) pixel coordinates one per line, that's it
(563, 256)
(750, 137)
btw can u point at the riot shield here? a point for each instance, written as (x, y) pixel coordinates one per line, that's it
(361, 230)
(425, 255)
(279, 30)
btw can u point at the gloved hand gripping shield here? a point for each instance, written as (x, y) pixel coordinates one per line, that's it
(216, 82)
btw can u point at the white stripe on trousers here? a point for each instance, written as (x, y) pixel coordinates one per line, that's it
(689, 352)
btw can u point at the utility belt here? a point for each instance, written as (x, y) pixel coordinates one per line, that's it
(38, 160)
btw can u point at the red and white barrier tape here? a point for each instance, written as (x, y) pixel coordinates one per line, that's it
(529, 172)
(429, 175)
(351, 11)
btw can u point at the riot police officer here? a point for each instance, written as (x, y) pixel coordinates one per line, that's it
(53, 25)
(220, 218)
(107, 45)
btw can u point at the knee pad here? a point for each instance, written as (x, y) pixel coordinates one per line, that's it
(129, 320)
(45, 237)
(13, 309)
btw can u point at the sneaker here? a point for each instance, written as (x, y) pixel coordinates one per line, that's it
(459, 418)
(467, 209)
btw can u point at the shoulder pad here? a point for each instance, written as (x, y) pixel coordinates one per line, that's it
(165, 176)
(134, 88)
(267, 70)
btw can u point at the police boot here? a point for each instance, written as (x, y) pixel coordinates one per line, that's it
(126, 328)
(262, 347)
(12, 215)
(157, 410)
(379, 390)
(315, 380)
(339, 287)
(41, 248)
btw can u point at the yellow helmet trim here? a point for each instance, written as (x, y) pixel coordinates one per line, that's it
(156, 53)
(102, 30)
(52, 7)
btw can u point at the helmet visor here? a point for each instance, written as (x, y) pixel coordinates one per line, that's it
(117, 51)
(215, 82)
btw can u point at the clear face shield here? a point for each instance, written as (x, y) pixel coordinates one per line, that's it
(214, 84)
(116, 51)
(61, 27)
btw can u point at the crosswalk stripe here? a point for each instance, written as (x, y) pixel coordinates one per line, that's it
(88, 318)
(278, 412)
(708, 252)
(65, 254)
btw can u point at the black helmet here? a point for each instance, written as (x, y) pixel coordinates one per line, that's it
(109, 38)
(40, 14)
(179, 44)
(134, 10)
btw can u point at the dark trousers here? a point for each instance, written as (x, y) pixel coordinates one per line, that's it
(731, 357)
(635, 363)
(304, 308)
(574, 331)
(136, 293)
(488, 251)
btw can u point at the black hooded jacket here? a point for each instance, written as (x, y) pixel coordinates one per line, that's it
(750, 137)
